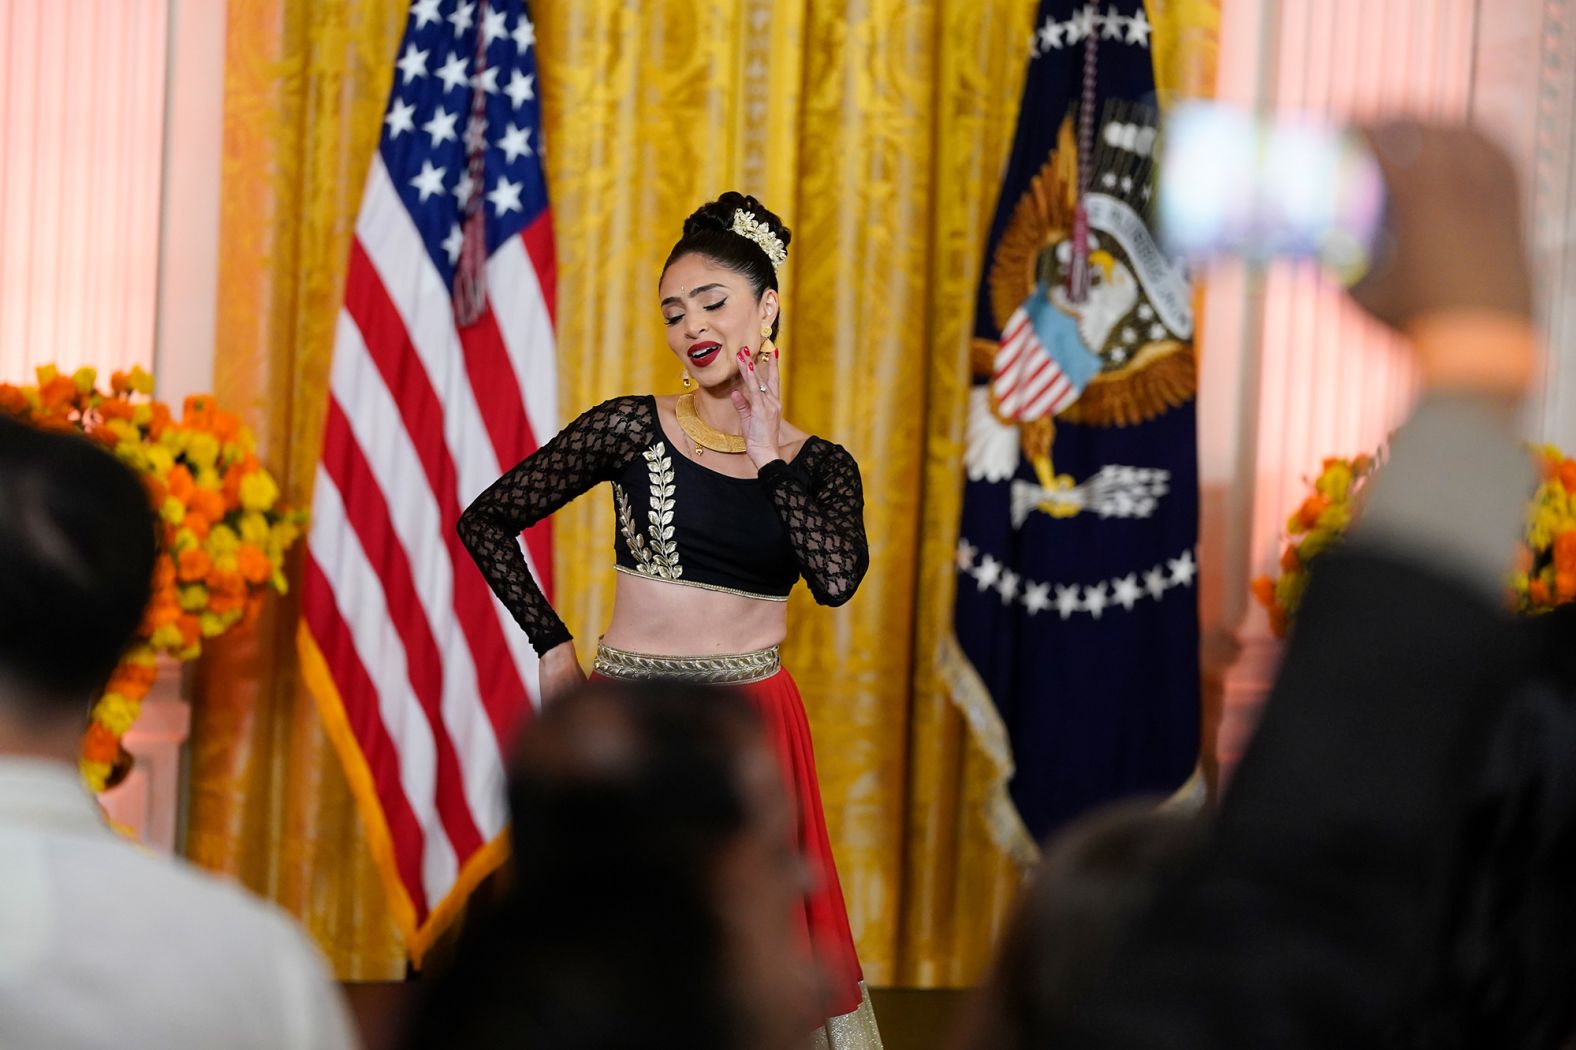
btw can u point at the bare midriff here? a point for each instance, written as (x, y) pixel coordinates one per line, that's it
(661, 618)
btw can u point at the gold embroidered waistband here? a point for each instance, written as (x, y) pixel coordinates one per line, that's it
(735, 669)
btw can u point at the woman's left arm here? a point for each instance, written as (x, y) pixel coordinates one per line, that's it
(825, 519)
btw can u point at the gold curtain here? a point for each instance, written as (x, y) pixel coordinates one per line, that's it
(878, 130)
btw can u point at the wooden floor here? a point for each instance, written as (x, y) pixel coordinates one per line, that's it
(910, 1019)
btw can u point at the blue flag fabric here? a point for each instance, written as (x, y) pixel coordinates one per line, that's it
(1076, 600)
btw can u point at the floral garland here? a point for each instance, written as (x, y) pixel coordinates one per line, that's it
(225, 531)
(1545, 575)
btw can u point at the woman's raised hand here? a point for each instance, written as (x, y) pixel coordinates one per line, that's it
(758, 400)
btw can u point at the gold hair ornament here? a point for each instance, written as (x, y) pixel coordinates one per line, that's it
(745, 224)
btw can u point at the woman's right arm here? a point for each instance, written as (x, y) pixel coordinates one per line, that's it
(585, 453)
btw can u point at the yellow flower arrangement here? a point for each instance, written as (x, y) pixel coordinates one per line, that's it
(1546, 571)
(1316, 525)
(225, 531)
(1546, 576)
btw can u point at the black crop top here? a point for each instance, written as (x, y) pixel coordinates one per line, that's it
(677, 521)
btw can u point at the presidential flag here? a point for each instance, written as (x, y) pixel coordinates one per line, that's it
(1076, 619)
(442, 378)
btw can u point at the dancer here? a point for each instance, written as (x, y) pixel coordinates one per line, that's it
(722, 506)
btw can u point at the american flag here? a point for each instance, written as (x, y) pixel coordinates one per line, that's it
(421, 675)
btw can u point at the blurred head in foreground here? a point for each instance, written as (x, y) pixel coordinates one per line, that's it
(77, 547)
(651, 886)
(1097, 878)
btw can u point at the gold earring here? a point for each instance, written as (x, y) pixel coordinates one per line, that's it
(766, 330)
(685, 379)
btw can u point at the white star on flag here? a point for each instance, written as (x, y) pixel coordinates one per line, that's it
(462, 19)
(493, 26)
(453, 242)
(1155, 582)
(966, 552)
(1183, 569)
(441, 126)
(1113, 24)
(430, 180)
(1138, 29)
(453, 72)
(424, 11)
(524, 34)
(1095, 600)
(399, 118)
(515, 143)
(412, 64)
(1125, 592)
(1037, 597)
(464, 188)
(988, 572)
(1008, 587)
(475, 134)
(505, 196)
(488, 80)
(1067, 601)
(1051, 34)
(521, 89)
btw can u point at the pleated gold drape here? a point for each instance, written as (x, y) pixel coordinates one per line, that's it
(878, 130)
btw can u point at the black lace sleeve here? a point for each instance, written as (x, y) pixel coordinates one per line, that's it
(588, 451)
(825, 519)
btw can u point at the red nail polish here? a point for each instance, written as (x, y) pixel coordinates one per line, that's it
(776, 354)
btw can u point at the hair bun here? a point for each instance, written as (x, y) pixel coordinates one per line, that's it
(718, 215)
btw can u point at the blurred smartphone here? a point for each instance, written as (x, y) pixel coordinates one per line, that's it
(1232, 185)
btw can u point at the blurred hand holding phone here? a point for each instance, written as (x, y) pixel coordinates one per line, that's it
(1234, 185)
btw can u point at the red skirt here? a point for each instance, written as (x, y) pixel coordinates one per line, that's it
(823, 916)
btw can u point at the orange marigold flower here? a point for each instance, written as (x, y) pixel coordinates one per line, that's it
(1311, 508)
(253, 563)
(197, 411)
(103, 435)
(1567, 474)
(12, 400)
(120, 382)
(1289, 560)
(99, 744)
(1278, 622)
(191, 629)
(1524, 559)
(208, 504)
(194, 565)
(1362, 464)
(235, 475)
(226, 425)
(222, 603)
(163, 573)
(180, 483)
(1537, 592)
(159, 421)
(1264, 591)
(115, 408)
(162, 611)
(59, 392)
(198, 525)
(1565, 551)
(157, 492)
(1564, 586)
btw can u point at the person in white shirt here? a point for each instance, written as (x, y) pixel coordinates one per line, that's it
(103, 944)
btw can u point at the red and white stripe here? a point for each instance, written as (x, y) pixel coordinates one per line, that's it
(434, 675)
(1027, 382)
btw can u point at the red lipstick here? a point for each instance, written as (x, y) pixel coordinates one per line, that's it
(704, 352)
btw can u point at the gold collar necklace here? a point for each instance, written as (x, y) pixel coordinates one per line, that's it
(703, 433)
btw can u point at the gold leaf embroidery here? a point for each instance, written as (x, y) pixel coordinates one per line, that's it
(661, 559)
